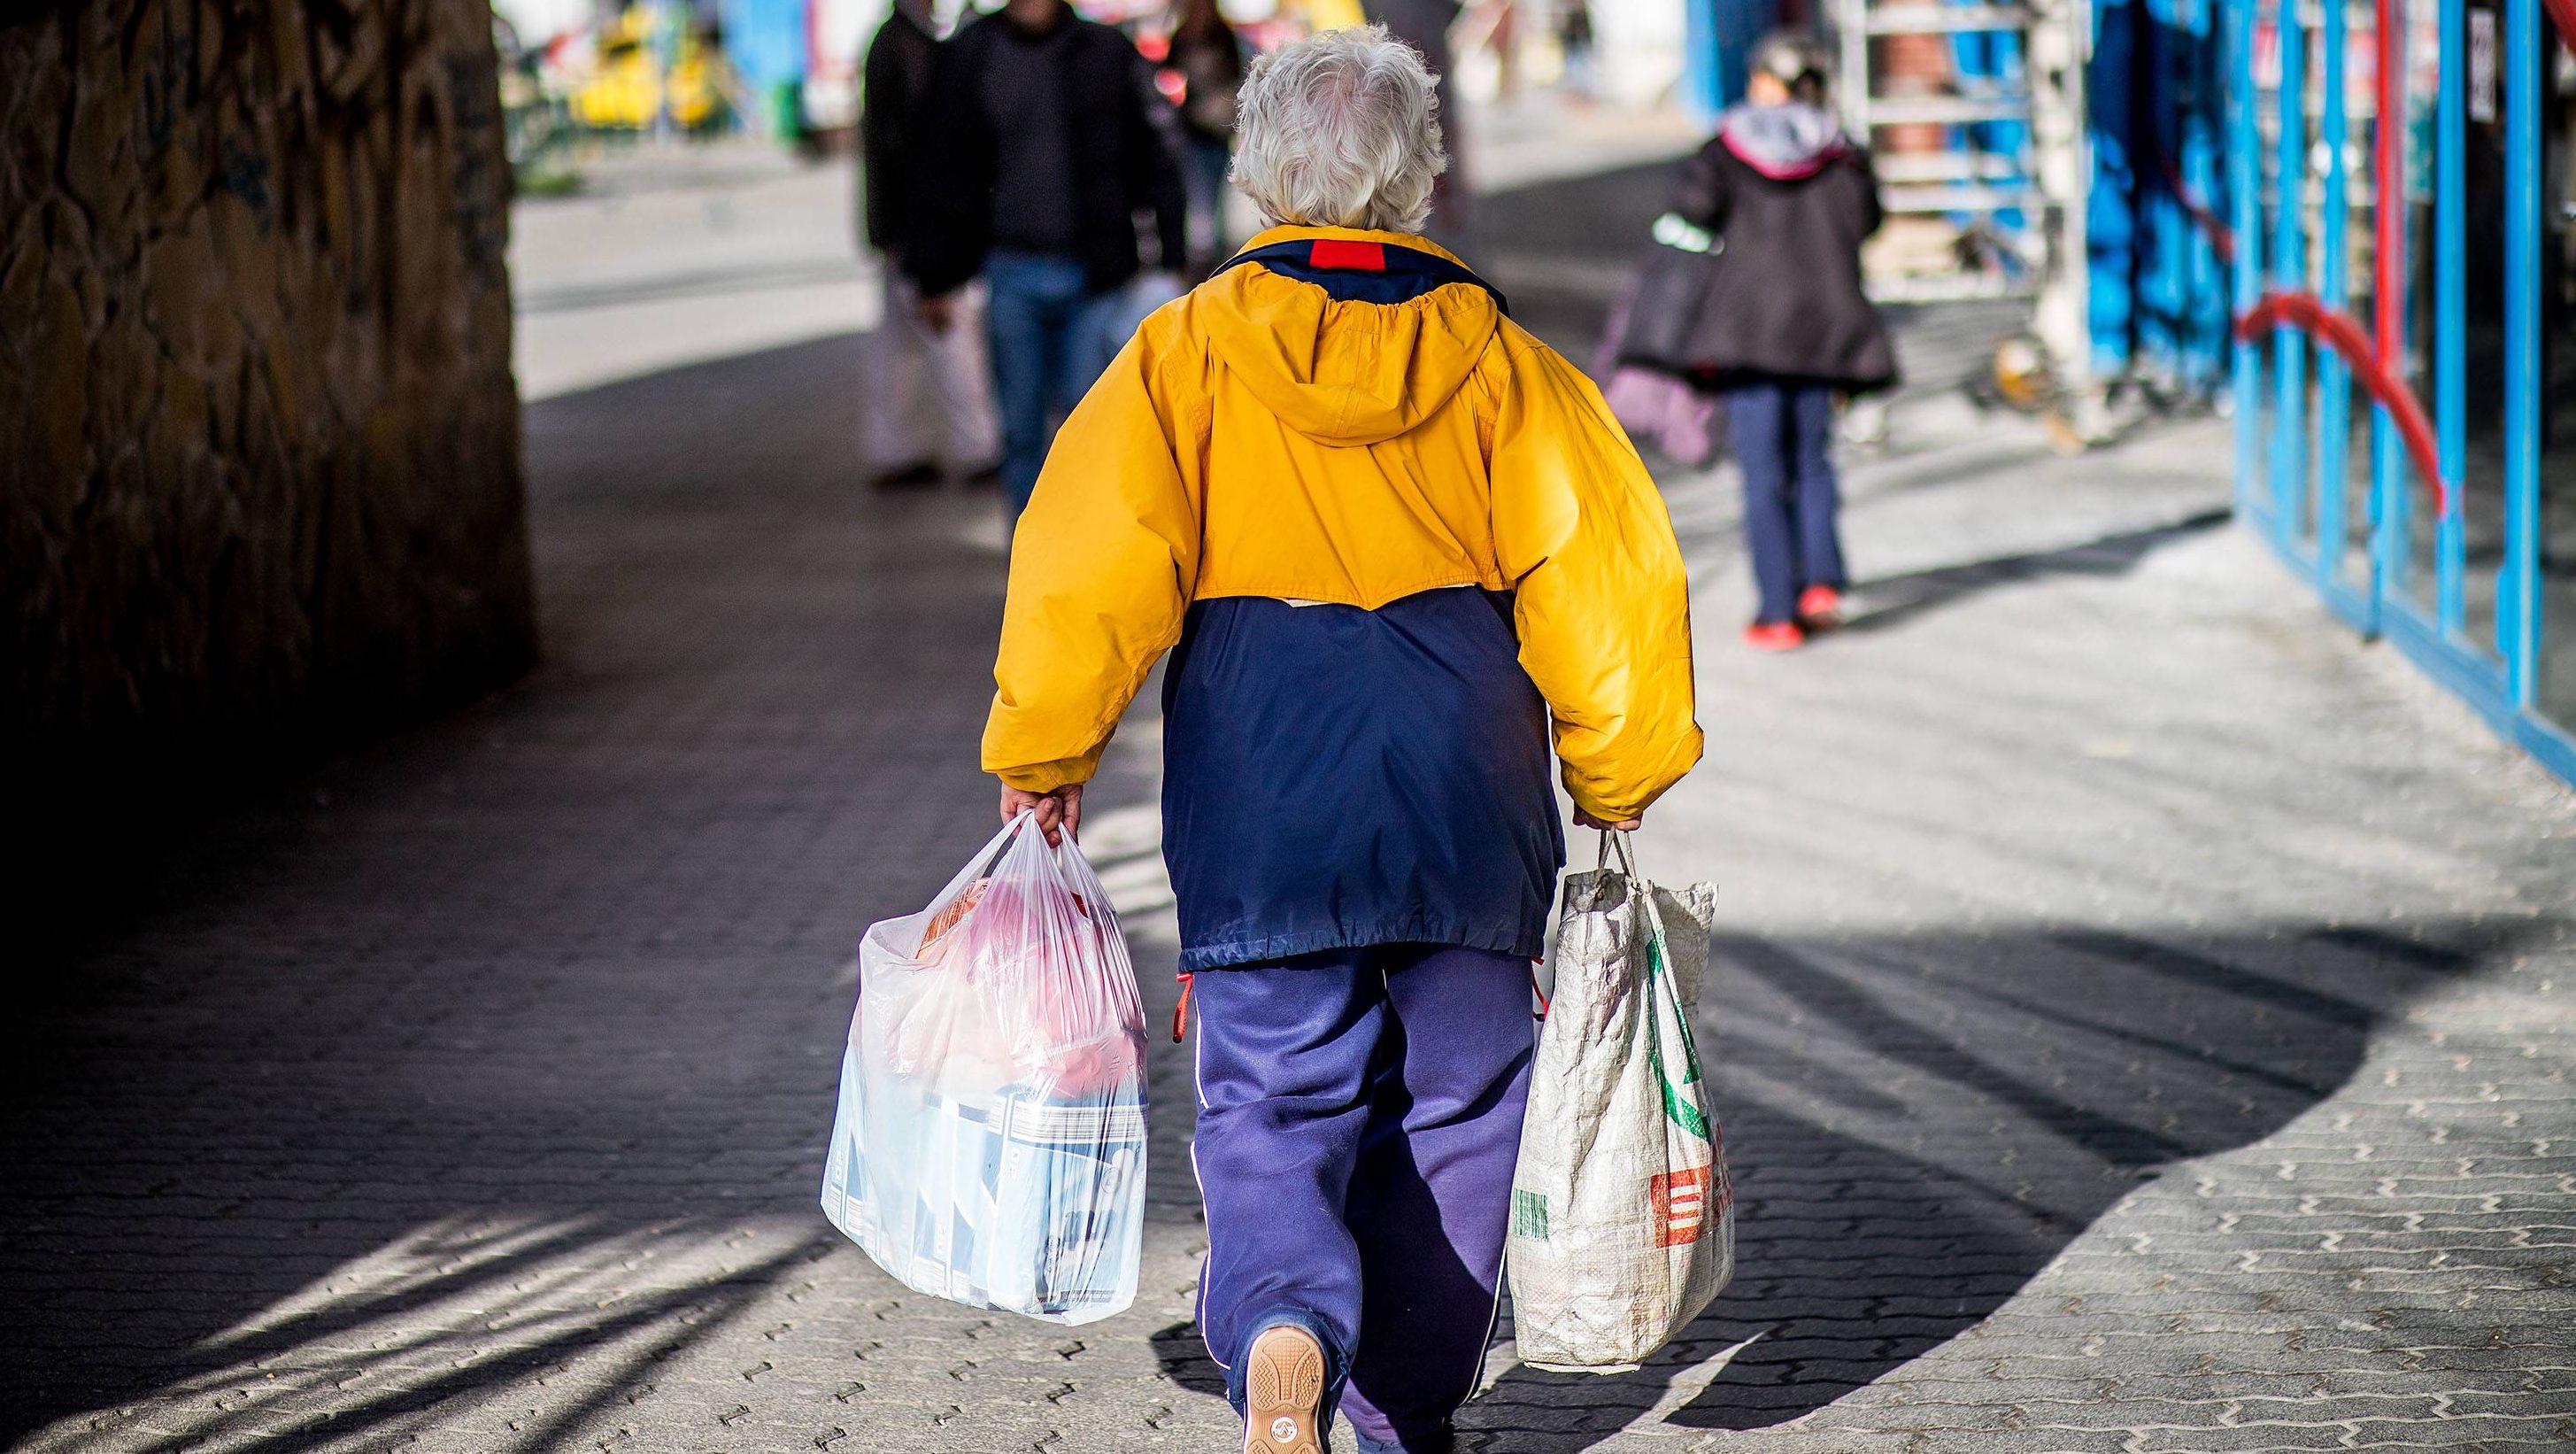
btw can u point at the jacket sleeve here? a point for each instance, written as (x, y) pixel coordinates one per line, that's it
(949, 173)
(885, 136)
(1706, 192)
(1102, 570)
(1601, 599)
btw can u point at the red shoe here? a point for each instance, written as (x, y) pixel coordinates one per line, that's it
(1820, 608)
(1774, 636)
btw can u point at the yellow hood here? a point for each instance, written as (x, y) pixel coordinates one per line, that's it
(1344, 373)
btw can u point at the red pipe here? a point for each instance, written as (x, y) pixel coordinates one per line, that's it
(2304, 312)
(2563, 12)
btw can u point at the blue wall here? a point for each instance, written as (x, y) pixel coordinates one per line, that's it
(2156, 289)
(766, 41)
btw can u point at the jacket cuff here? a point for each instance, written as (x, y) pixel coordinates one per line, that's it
(1046, 777)
(1586, 803)
(1633, 803)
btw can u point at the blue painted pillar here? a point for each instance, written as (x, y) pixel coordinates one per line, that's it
(2518, 603)
(2203, 128)
(765, 40)
(2115, 193)
(2245, 282)
(2450, 310)
(2289, 269)
(1717, 37)
(2334, 400)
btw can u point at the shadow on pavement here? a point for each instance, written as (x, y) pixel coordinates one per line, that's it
(484, 1050)
(1896, 600)
(492, 1048)
(1918, 1123)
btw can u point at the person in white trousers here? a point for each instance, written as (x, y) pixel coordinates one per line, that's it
(922, 384)
(919, 381)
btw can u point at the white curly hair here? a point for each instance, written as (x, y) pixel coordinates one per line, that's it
(1341, 129)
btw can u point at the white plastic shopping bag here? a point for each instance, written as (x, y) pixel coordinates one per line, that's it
(1623, 1222)
(990, 1141)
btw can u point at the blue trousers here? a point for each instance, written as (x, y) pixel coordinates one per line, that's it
(1359, 1115)
(1783, 436)
(1051, 337)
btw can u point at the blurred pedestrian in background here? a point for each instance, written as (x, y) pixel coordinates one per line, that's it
(1786, 325)
(1396, 546)
(1574, 50)
(1043, 139)
(1425, 25)
(1208, 56)
(898, 415)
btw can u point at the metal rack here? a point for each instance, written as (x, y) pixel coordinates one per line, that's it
(1977, 219)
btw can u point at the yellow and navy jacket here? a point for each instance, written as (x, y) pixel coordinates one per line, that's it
(1400, 545)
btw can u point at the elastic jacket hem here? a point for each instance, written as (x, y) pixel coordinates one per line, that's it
(1527, 941)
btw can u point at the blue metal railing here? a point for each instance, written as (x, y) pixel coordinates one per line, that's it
(2304, 514)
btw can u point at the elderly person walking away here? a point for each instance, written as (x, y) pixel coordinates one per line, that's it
(1786, 326)
(1393, 542)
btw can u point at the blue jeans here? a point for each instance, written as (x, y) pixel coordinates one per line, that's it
(1359, 1116)
(1783, 435)
(1051, 336)
(1204, 161)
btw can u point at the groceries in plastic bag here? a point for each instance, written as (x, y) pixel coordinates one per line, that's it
(1622, 1221)
(990, 1141)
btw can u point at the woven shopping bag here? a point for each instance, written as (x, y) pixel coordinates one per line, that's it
(1623, 1223)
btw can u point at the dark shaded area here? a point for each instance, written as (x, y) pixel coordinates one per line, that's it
(1918, 1123)
(551, 976)
(260, 492)
(1895, 600)
(1183, 1357)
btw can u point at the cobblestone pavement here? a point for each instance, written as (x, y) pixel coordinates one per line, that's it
(2141, 1019)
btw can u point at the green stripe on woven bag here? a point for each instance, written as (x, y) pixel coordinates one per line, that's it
(1529, 1214)
(1676, 1106)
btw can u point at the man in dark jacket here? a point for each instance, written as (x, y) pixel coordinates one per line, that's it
(1786, 324)
(904, 355)
(1042, 141)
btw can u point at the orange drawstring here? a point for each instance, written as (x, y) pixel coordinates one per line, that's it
(1181, 1011)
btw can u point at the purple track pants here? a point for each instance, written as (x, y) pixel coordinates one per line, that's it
(1359, 1114)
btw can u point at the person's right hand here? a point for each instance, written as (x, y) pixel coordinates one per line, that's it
(1583, 819)
(939, 314)
(1059, 812)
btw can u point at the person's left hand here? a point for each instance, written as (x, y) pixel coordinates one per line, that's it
(1059, 812)
(1583, 819)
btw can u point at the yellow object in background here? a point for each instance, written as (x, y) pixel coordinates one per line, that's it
(628, 90)
(1328, 14)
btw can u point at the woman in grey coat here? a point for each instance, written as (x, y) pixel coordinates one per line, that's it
(1786, 325)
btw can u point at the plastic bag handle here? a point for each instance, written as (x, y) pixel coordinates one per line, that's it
(1002, 841)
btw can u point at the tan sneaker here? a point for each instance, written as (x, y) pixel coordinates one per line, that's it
(1283, 1393)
